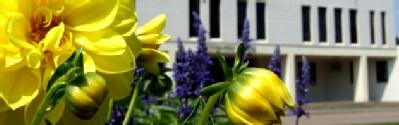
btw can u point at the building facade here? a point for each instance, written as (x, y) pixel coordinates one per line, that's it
(350, 43)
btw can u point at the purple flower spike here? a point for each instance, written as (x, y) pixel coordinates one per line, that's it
(274, 64)
(302, 90)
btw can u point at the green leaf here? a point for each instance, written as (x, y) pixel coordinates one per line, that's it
(238, 57)
(55, 94)
(226, 69)
(214, 88)
(75, 60)
(198, 103)
(243, 66)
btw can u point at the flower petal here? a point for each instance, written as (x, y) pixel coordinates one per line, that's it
(153, 40)
(33, 59)
(154, 26)
(92, 15)
(134, 44)
(13, 60)
(275, 81)
(53, 38)
(125, 22)
(152, 55)
(119, 85)
(105, 42)
(106, 63)
(100, 118)
(18, 29)
(149, 59)
(89, 65)
(19, 87)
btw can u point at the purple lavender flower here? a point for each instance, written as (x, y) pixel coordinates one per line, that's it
(117, 116)
(184, 111)
(302, 90)
(245, 34)
(192, 69)
(274, 64)
(202, 59)
(245, 38)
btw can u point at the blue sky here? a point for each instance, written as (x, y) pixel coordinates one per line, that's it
(397, 16)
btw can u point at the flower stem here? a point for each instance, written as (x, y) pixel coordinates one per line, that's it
(132, 103)
(297, 120)
(208, 107)
(40, 112)
(52, 97)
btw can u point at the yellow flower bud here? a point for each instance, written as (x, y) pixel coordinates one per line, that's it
(257, 96)
(85, 99)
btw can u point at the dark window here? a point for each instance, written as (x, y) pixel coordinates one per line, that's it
(383, 28)
(312, 72)
(351, 71)
(306, 23)
(372, 37)
(194, 7)
(241, 15)
(353, 25)
(338, 25)
(260, 20)
(382, 71)
(214, 18)
(322, 24)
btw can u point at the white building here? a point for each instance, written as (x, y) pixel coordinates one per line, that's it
(350, 43)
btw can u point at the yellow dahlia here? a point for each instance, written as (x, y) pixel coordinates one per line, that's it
(38, 35)
(151, 38)
(257, 96)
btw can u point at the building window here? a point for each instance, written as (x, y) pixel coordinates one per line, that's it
(260, 20)
(313, 76)
(194, 7)
(338, 25)
(372, 37)
(214, 18)
(353, 25)
(382, 71)
(322, 24)
(383, 35)
(241, 15)
(306, 23)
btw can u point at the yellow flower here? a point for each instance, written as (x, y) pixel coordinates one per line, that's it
(151, 38)
(36, 36)
(257, 96)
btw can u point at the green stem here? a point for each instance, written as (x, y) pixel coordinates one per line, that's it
(208, 107)
(131, 105)
(49, 102)
(40, 112)
(110, 109)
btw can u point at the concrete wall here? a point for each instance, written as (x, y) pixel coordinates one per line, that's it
(284, 27)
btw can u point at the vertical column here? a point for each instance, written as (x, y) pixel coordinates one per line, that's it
(289, 75)
(228, 17)
(172, 59)
(251, 15)
(314, 25)
(345, 27)
(204, 13)
(361, 92)
(330, 26)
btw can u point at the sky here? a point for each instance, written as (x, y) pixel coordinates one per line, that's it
(397, 16)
